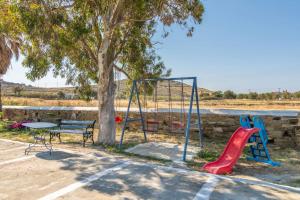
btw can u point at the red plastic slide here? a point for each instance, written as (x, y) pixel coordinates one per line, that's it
(232, 152)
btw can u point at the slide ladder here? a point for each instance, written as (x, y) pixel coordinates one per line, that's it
(258, 141)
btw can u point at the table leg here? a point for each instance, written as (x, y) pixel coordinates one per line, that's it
(38, 138)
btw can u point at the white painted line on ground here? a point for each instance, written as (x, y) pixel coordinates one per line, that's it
(13, 141)
(263, 183)
(82, 183)
(16, 160)
(13, 149)
(207, 189)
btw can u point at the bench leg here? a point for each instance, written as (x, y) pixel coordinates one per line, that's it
(92, 137)
(84, 140)
(51, 137)
(59, 137)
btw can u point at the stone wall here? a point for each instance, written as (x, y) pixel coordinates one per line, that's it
(283, 131)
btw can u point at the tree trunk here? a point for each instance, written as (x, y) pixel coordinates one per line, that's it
(0, 95)
(106, 90)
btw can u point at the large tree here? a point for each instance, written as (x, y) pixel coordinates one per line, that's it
(86, 40)
(9, 39)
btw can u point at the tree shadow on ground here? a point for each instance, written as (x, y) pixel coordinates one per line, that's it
(56, 155)
(143, 181)
(238, 190)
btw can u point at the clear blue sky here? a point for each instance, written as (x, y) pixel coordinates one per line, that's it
(241, 45)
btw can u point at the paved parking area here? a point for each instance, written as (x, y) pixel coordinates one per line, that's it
(74, 175)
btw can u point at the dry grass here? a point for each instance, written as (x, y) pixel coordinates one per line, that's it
(209, 104)
(253, 104)
(21, 101)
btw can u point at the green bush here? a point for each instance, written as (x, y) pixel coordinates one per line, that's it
(229, 95)
(208, 155)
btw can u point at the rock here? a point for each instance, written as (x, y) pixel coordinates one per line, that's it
(218, 130)
(276, 134)
(293, 121)
(276, 118)
(297, 129)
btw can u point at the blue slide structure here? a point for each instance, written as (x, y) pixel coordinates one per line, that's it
(259, 150)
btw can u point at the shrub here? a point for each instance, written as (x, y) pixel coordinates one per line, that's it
(229, 95)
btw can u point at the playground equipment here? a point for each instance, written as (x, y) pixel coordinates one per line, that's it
(231, 153)
(177, 126)
(253, 132)
(149, 117)
(258, 142)
(117, 76)
(152, 124)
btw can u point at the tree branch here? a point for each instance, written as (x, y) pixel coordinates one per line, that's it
(90, 51)
(66, 6)
(97, 31)
(116, 17)
(123, 71)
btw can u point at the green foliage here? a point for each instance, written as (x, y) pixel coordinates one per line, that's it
(93, 94)
(286, 95)
(9, 35)
(253, 95)
(218, 94)
(69, 37)
(262, 96)
(208, 155)
(296, 95)
(242, 96)
(14, 134)
(18, 90)
(204, 94)
(229, 95)
(61, 95)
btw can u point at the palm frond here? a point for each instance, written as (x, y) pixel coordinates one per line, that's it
(8, 49)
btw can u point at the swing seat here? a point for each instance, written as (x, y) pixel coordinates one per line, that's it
(152, 125)
(177, 127)
(178, 124)
(152, 121)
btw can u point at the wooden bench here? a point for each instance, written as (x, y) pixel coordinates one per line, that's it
(85, 128)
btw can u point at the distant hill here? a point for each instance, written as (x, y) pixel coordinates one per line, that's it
(8, 89)
(6, 84)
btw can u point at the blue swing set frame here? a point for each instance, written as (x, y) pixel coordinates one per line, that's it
(194, 97)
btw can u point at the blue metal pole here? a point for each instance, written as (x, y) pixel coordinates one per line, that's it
(166, 79)
(199, 117)
(141, 113)
(187, 130)
(127, 113)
